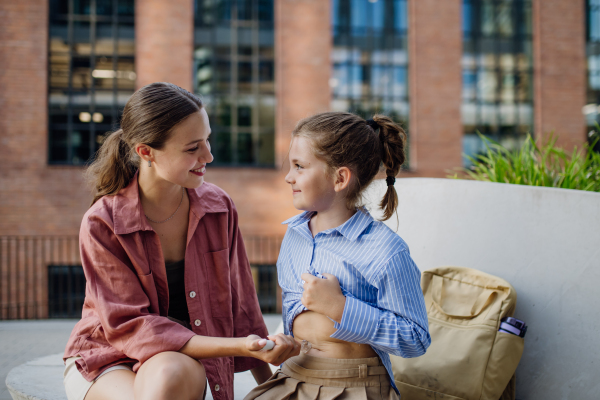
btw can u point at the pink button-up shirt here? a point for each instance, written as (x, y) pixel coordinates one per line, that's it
(124, 317)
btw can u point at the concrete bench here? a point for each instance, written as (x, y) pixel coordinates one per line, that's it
(38, 379)
(544, 241)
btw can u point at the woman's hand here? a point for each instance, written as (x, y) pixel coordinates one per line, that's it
(285, 347)
(323, 296)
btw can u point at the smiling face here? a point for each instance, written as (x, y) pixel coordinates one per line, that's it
(183, 158)
(313, 189)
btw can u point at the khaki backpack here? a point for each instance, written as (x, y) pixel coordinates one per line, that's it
(468, 358)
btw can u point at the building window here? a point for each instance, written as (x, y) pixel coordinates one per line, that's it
(497, 94)
(66, 291)
(91, 74)
(591, 109)
(234, 75)
(265, 282)
(370, 58)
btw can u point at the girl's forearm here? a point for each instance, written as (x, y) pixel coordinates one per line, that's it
(199, 347)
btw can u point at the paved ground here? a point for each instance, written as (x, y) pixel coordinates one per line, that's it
(22, 341)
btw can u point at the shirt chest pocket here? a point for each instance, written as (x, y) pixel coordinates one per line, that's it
(219, 283)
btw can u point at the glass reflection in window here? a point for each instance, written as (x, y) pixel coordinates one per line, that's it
(370, 58)
(592, 107)
(497, 72)
(234, 73)
(91, 74)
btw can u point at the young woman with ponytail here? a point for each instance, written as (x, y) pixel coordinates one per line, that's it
(170, 302)
(351, 292)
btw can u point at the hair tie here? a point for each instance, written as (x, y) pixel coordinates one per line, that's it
(372, 124)
(390, 180)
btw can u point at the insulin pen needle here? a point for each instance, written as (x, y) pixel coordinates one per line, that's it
(306, 346)
(268, 346)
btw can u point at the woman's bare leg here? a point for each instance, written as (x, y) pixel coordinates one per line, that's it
(115, 385)
(170, 375)
(165, 376)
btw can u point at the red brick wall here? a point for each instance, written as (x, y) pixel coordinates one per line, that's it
(560, 70)
(303, 45)
(39, 199)
(34, 198)
(164, 32)
(435, 51)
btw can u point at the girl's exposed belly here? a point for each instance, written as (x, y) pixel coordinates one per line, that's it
(317, 329)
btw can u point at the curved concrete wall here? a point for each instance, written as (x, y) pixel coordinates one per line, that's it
(544, 241)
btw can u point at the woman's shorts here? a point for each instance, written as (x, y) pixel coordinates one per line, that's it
(76, 385)
(307, 377)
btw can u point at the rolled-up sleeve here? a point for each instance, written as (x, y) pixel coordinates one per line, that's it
(115, 291)
(397, 324)
(247, 317)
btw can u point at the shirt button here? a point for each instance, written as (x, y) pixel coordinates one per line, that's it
(197, 322)
(217, 387)
(192, 294)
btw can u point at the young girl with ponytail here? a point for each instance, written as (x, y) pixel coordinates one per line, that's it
(351, 292)
(170, 302)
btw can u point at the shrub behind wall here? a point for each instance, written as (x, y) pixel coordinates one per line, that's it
(536, 164)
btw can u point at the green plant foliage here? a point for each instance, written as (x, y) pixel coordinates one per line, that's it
(536, 165)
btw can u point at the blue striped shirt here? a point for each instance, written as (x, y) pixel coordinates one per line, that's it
(384, 302)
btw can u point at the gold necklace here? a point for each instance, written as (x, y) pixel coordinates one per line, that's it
(160, 222)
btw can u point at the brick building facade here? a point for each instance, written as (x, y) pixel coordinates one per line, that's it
(41, 199)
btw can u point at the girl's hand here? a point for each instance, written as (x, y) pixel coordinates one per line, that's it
(323, 296)
(285, 347)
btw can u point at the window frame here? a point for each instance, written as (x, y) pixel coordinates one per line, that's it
(227, 99)
(104, 107)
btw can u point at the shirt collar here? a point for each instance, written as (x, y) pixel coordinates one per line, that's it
(298, 219)
(128, 215)
(356, 224)
(351, 229)
(206, 199)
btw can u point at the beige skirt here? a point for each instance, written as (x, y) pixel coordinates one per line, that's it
(306, 377)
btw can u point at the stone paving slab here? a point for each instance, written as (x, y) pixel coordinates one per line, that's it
(22, 343)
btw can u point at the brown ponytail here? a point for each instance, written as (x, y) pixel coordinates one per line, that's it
(148, 118)
(343, 139)
(393, 139)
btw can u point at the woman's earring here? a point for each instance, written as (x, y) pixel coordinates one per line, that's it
(149, 163)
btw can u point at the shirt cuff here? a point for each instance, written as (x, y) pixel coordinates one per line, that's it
(359, 322)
